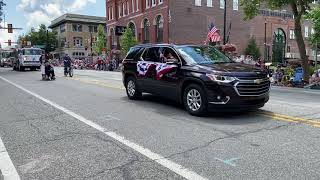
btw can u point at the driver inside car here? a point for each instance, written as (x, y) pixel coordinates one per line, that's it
(167, 56)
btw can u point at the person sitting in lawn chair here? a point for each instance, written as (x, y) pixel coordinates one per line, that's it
(297, 79)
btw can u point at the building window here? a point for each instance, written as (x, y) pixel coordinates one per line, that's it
(93, 29)
(159, 29)
(137, 5)
(209, 3)
(77, 28)
(132, 5)
(120, 11)
(123, 9)
(133, 28)
(306, 31)
(235, 5)
(291, 34)
(160, 1)
(146, 25)
(154, 3)
(128, 8)
(109, 13)
(62, 28)
(222, 4)
(63, 42)
(312, 31)
(197, 2)
(147, 4)
(77, 41)
(112, 11)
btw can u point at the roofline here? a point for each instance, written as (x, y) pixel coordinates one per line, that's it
(77, 18)
(171, 45)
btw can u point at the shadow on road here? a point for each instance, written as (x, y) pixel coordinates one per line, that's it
(176, 110)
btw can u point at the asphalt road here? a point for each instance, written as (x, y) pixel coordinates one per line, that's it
(86, 128)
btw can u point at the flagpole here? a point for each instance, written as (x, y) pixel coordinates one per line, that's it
(224, 22)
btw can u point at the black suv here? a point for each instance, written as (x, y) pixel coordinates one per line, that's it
(200, 77)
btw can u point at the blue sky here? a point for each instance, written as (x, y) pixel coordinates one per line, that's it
(31, 13)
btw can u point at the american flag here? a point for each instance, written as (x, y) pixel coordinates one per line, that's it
(143, 67)
(213, 35)
(162, 69)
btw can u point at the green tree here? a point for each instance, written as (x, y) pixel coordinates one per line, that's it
(101, 42)
(314, 17)
(253, 49)
(127, 41)
(299, 9)
(41, 37)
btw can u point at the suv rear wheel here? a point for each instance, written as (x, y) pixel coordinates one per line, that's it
(133, 92)
(195, 100)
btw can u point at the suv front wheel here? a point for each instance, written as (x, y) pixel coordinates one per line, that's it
(133, 92)
(195, 100)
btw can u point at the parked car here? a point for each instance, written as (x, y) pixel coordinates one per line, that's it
(6, 58)
(5, 62)
(200, 77)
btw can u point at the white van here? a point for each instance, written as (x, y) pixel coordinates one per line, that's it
(28, 58)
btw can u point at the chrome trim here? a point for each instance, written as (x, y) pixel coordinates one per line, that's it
(222, 102)
(253, 82)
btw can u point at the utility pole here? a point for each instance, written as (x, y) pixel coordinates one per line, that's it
(316, 54)
(225, 22)
(47, 41)
(265, 40)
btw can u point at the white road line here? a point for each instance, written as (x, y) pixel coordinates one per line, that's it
(7, 168)
(178, 169)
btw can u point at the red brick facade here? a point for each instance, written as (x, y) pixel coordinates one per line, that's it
(185, 22)
(137, 16)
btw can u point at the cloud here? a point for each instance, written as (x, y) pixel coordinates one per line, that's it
(44, 11)
(80, 4)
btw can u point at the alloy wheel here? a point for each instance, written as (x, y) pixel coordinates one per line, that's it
(194, 100)
(131, 88)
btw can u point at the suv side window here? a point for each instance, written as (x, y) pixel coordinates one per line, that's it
(168, 54)
(134, 53)
(152, 55)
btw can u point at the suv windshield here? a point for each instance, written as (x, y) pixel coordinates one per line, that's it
(203, 55)
(32, 52)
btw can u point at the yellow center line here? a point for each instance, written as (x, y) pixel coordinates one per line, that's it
(275, 116)
(282, 117)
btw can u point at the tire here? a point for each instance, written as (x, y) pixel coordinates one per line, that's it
(195, 100)
(71, 72)
(132, 90)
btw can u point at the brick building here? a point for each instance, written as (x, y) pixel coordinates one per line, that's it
(75, 33)
(188, 21)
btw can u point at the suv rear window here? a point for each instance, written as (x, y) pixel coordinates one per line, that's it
(134, 53)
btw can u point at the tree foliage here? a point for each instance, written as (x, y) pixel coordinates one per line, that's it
(41, 38)
(127, 41)
(253, 49)
(314, 17)
(101, 42)
(299, 9)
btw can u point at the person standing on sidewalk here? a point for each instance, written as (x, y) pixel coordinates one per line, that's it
(42, 66)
